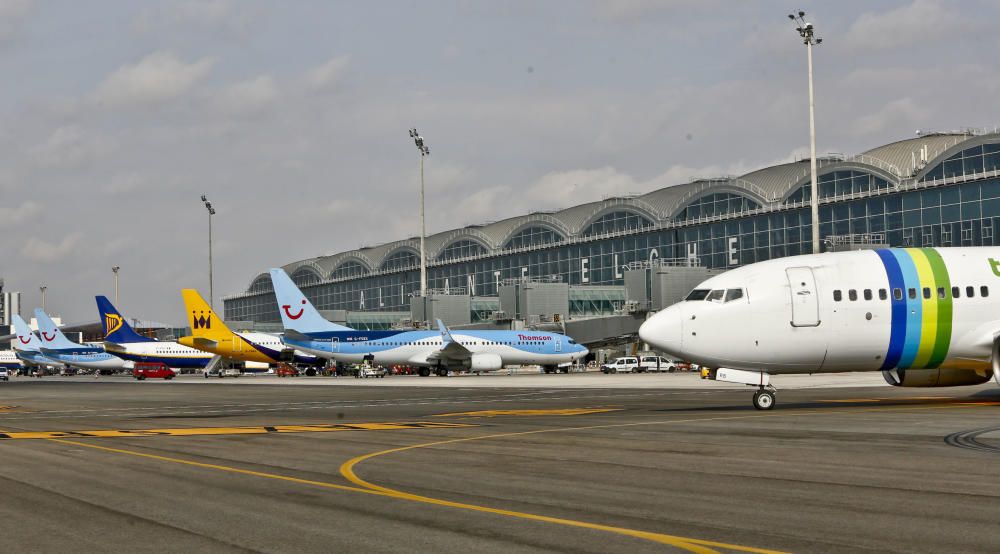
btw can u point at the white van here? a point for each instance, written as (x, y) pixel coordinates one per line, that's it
(654, 364)
(625, 364)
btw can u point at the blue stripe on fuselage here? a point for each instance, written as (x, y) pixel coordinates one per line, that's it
(914, 307)
(897, 333)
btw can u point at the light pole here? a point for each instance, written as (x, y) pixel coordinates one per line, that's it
(211, 288)
(42, 288)
(809, 39)
(115, 271)
(424, 152)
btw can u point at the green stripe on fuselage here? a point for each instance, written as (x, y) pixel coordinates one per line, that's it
(944, 308)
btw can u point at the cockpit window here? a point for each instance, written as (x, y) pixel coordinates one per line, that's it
(716, 295)
(734, 294)
(697, 294)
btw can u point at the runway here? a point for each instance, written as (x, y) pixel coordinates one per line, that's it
(115, 465)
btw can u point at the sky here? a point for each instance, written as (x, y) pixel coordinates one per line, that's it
(116, 116)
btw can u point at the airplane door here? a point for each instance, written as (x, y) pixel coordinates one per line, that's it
(558, 344)
(335, 344)
(805, 298)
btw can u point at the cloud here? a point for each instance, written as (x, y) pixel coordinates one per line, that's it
(12, 217)
(921, 21)
(157, 78)
(328, 75)
(71, 145)
(248, 96)
(12, 13)
(46, 252)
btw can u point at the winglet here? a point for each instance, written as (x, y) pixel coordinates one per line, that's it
(445, 333)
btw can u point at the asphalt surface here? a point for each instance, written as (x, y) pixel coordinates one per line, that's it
(113, 465)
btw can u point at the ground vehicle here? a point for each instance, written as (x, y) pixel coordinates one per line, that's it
(373, 372)
(220, 373)
(152, 370)
(4, 374)
(625, 364)
(285, 370)
(657, 363)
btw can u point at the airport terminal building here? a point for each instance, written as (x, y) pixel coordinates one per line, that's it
(937, 189)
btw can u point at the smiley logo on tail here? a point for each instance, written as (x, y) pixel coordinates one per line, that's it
(288, 310)
(24, 340)
(47, 337)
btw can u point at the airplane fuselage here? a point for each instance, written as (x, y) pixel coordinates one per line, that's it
(890, 310)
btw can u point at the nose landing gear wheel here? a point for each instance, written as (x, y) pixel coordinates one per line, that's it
(763, 400)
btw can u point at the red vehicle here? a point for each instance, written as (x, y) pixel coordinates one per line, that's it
(152, 370)
(285, 370)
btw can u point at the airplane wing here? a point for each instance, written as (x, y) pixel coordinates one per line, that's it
(450, 349)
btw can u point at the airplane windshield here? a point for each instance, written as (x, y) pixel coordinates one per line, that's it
(716, 295)
(734, 294)
(697, 294)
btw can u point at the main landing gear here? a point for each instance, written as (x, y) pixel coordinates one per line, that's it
(763, 399)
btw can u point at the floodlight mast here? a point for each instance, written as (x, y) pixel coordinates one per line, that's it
(211, 282)
(809, 39)
(424, 152)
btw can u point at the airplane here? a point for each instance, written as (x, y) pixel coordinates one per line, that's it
(210, 334)
(120, 339)
(9, 360)
(28, 347)
(924, 317)
(441, 350)
(57, 347)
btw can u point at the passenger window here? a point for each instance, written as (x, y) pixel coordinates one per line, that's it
(897, 294)
(716, 295)
(837, 296)
(984, 291)
(927, 293)
(955, 292)
(941, 293)
(883, 294)
(868, 294)
(913, 294)
(734, 294)
(970, 292)
(852, 295)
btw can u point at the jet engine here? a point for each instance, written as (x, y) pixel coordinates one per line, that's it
(936, 377)
(485, 362)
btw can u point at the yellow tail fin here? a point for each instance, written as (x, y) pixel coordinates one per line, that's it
(203, 320)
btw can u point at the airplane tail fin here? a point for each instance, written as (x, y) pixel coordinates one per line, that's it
(52, 337)
(116, 329)
(203, 320)
(26, 339)
(297, 313)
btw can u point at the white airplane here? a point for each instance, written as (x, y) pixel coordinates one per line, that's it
(27, 346)
(9, 360)
(120, 339)
(57, 347)
(924, 317)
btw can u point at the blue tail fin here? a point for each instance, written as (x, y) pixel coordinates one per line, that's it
(297, 313)
(116, 329)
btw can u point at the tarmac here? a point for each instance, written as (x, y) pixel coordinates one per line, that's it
(523, 463)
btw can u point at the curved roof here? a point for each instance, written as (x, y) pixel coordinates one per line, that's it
(897, 162)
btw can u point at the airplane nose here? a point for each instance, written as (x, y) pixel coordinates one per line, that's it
(664, 331)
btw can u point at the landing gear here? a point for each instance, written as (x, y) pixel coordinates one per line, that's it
(763, 399)
(424, 372)
(441, 372)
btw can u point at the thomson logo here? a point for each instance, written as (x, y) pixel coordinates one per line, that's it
(533, 337)
(995, 266)
(112, 323)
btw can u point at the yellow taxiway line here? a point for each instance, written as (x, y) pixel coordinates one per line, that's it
(555, 412)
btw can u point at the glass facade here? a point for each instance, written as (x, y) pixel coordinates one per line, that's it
(532, 236)
(963, 213)
(720, 203)
(839, 183)
(348, 269)
(977, 159)
(461, 249)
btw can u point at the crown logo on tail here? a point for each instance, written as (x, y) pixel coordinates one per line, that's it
(201, 321)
